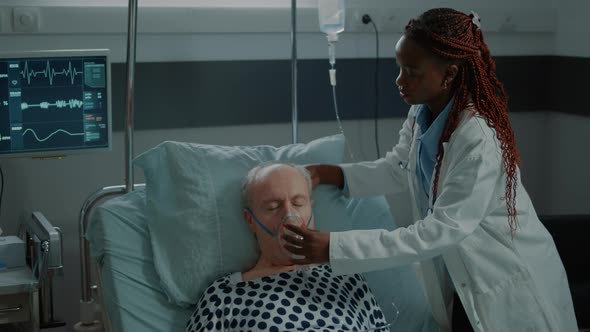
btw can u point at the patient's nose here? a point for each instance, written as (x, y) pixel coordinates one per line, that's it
(289, 210)
(288, 207)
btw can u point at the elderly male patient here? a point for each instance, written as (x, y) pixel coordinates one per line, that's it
(275, 295)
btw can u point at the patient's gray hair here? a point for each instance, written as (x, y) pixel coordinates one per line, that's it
(252, 176)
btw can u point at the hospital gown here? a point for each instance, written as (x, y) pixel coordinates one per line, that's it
(307, 299)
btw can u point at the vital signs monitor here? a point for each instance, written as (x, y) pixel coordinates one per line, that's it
(54, 103)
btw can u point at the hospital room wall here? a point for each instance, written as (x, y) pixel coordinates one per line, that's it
(551, 144)
(567, 156)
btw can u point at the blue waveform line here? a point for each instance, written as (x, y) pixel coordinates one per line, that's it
(72, 103)
(53, 133)
(50, 73)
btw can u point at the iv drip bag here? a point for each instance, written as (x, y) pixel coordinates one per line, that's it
(331, 16)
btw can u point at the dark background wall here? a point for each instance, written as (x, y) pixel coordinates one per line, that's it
(219, 93)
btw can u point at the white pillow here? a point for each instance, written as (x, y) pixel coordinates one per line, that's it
(197, 230)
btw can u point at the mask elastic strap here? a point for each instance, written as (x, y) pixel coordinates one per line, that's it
(309, 220)
(260, 224)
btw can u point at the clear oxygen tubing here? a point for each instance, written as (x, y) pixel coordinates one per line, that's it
(332, 39)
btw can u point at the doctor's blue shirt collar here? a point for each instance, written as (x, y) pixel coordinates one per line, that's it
(433, 130)
(430, 134)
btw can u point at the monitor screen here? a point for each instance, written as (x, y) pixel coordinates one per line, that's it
(54, 103)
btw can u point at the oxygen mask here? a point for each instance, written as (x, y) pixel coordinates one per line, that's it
(290, 219)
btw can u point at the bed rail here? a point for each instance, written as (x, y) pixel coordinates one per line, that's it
(86, 301)
(89, 204)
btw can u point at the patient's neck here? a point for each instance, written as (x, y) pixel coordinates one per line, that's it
(265, 268)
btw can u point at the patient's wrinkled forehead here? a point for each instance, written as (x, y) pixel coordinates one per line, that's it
(277, 181)
(269, 170)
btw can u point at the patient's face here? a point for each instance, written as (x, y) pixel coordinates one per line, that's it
(279, 190)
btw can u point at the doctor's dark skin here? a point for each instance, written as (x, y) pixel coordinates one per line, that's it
(423, 79)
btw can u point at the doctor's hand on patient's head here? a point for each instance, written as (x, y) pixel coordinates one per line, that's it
(326, 174)
(312, 244)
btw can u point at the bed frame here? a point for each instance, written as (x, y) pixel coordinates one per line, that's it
(87, 300)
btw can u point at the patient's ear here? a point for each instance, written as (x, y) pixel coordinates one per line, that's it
(248, 218)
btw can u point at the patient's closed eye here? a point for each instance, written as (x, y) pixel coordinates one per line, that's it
(273, 205)
(299, 201)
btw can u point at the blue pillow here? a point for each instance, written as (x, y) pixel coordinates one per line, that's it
(196, 226)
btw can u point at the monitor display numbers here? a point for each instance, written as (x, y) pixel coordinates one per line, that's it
(54, 103)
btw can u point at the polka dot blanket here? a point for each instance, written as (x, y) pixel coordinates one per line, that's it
(307, 299)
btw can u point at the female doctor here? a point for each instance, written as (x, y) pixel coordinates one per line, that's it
(481, 248)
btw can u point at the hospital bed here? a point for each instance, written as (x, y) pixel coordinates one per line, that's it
(123, 229)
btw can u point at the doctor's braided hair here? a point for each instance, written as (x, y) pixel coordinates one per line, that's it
(457, 38)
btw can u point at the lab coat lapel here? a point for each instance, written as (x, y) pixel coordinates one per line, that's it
(431, 198)
(411, 170)
(427, 270)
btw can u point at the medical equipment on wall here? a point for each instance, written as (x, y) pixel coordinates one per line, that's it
(331, 14)
(43, 244)
(55, 103)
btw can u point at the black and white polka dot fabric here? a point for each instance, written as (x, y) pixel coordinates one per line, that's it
(311, 299)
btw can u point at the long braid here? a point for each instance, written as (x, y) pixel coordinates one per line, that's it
(453, 36)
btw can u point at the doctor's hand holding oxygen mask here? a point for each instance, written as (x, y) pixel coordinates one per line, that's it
(485, 259)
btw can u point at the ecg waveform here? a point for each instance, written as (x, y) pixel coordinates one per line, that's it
(49, 136)
(50, 73)
(72, 103)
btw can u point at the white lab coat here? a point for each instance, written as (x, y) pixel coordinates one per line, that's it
(504, 283)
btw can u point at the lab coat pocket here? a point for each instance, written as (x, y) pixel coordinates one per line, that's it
(514, 303)
(488, 265)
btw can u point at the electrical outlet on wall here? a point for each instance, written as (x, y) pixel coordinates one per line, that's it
(354, 20)
(26, 19)
(387, 20)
